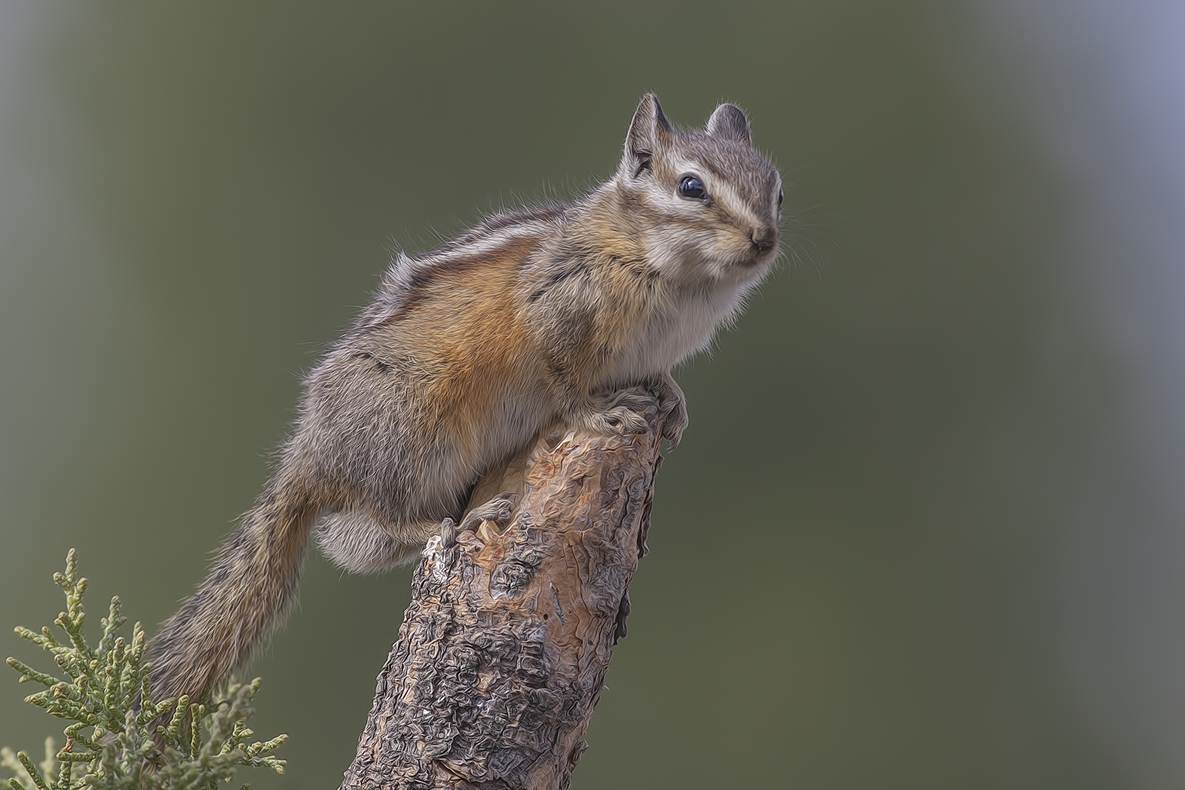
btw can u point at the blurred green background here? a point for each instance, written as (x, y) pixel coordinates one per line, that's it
(925, 530)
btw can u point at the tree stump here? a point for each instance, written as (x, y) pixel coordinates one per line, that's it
(503, 650)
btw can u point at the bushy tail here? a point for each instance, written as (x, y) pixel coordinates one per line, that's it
(247, 595)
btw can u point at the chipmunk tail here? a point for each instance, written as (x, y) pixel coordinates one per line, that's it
(247, 595)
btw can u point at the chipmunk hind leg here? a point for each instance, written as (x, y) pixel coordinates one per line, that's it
(355, 542)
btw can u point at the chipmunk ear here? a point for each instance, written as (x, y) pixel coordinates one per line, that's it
(649, 132)
(729, 122)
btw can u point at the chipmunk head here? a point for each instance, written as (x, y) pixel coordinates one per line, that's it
(712, 203)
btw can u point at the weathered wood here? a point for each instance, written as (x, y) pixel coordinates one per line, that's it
(503, 650)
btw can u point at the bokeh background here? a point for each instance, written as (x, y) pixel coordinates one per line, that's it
(926, 529)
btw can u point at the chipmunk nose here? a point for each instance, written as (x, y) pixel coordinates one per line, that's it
(763, 239)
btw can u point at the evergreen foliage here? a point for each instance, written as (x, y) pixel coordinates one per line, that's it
(113, 742)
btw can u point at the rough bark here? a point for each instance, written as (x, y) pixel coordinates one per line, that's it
(503, 650)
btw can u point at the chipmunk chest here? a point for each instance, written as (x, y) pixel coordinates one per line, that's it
(671, 335)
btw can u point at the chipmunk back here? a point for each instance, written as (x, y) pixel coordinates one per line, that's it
(468, 352)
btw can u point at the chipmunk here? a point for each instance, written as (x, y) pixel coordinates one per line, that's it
(468, 352)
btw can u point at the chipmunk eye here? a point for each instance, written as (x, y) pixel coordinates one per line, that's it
(692, 188)
(780, 197)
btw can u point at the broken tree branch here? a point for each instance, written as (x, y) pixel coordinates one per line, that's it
(503, 650)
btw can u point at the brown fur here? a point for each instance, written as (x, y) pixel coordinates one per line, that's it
(468, 352)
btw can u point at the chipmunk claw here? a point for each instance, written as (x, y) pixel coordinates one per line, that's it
(448, 533)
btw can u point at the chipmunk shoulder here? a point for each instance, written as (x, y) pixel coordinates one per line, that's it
(468, 352)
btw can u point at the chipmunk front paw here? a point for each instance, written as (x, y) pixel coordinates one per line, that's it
(622, 411)
(673, 405)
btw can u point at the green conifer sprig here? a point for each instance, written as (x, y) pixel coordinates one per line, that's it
(111, 742)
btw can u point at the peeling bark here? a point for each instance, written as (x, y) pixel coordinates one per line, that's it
(503, 650)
